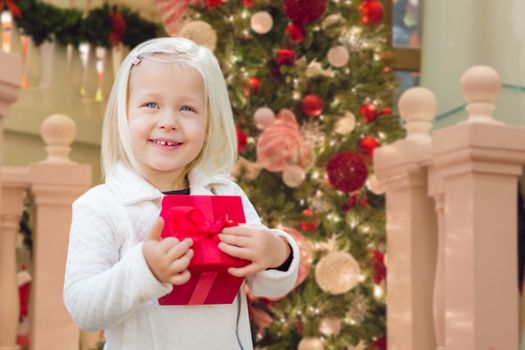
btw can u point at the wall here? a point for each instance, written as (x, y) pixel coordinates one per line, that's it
(460, 34)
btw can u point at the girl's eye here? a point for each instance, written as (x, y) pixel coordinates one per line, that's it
(152, 105)
(188, 108)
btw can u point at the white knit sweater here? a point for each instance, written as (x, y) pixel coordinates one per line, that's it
(108, 284)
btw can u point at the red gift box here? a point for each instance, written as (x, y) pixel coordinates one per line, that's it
(202, 218)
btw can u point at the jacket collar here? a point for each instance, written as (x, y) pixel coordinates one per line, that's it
(131, 188)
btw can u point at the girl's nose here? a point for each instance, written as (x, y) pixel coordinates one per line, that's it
(168, 121)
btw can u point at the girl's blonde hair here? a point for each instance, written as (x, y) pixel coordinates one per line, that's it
(220, 147)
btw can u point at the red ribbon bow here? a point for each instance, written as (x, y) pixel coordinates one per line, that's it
(190, 222)
(11, 6)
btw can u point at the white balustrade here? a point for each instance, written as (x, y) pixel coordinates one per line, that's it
(451, 206)
(411, 226)
(10, 74)
(55, 184)
(477, 164)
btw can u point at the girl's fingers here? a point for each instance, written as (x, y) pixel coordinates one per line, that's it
(238, 252)
(239, 241)
(182, 263)
(243, 271)
(167, 243)
(180, 278)
(179, 249)
(242, 230)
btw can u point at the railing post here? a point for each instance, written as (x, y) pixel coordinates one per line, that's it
(15, 182)
(56, 183)
(10, 75)
(478, 163)
(411, 226)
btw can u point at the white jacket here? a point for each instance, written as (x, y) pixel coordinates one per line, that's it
(108, 284)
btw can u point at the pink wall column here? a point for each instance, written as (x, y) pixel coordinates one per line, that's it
(56, 183)
(401, 169)
(10, 74)
(478, 163)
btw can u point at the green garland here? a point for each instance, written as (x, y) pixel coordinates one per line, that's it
(45, 22)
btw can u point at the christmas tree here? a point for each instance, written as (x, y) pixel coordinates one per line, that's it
(311, 90)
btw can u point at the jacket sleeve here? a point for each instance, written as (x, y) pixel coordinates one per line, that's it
(270, 283)
(102, 289)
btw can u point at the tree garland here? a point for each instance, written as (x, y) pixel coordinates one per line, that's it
(103, 26)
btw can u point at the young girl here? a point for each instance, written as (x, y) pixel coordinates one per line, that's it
(168, 128)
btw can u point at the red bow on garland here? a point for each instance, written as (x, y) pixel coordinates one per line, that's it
(118, 27)
(11, 6)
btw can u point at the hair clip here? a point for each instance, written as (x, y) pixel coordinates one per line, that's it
(135, 59)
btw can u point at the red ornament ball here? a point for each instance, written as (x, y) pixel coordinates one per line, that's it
(286, 57)
(386, 111)
(369, 112)
(310, 220)
(368, 144)
(247, 3)
(242, 139)
(252, 86)
(213, 3)
(295, 32)
(380, 343)
(371, 12)
(347, 171)
(304, 11)
(312, 105)
(379, 266)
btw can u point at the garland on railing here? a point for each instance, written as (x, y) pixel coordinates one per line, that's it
(104, 26)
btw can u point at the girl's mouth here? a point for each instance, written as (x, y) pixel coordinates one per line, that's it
(166, 144)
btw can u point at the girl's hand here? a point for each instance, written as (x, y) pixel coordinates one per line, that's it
(255, 243)
(167, 258)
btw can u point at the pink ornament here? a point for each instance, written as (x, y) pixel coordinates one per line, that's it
(281, 144)
(261, 22)
(293, 176)
(338, 56)
(263, 117)
(306, 250)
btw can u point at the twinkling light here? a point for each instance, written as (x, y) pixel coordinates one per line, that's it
(378, 292)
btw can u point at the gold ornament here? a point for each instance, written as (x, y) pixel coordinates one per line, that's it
(358, 308)
(346, 124)
(332, 20)
(200, 33)
(315, 68)
(337, 273)
(310, 343)
(246, 169)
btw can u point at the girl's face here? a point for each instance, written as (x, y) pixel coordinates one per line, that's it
(167, 119)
